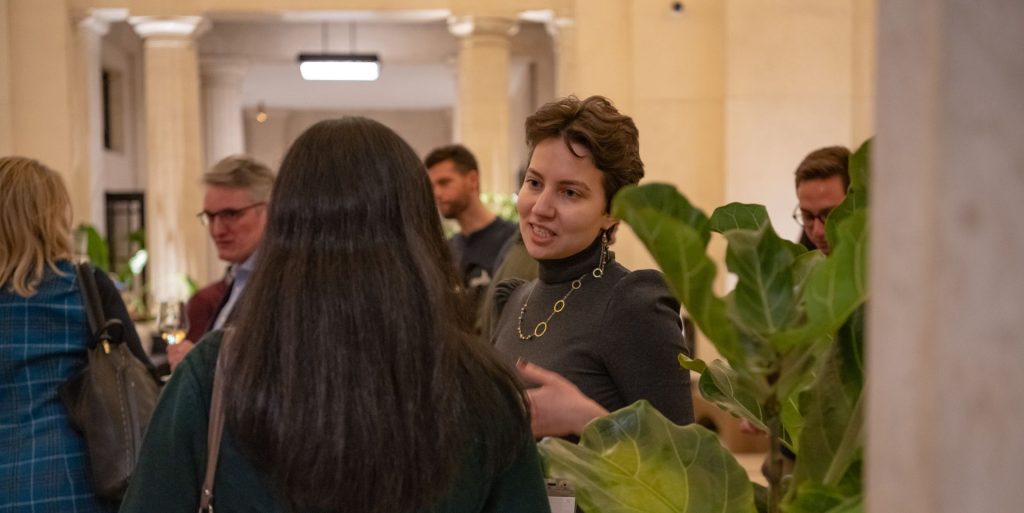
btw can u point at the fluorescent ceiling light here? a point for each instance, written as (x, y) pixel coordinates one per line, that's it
(320, 66)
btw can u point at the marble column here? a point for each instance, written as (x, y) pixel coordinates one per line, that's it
(40, 66)
(89, 106)
(6, 127)
(223, 123)
(945, 359)
(482, 112)
(562, 28)
(176, 241)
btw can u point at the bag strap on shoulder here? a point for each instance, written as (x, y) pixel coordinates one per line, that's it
(102, 329)
(215, 429)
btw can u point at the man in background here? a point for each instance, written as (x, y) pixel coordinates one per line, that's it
(821, 182)
(455, 178)
(235, 213)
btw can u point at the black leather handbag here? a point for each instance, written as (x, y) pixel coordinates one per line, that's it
(111, 399)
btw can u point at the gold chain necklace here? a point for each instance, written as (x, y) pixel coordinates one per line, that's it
(542, 327)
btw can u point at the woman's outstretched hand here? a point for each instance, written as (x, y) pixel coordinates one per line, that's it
(557, 407)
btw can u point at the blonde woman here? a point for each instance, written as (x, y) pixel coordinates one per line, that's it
(43, 337)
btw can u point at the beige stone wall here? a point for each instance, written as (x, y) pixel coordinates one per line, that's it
(789, 91)
(268, 142)
(6, 127)
(43, 119)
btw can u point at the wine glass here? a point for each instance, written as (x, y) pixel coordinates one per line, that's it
(172, 321)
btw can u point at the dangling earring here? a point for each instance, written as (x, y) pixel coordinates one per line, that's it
(599, 270)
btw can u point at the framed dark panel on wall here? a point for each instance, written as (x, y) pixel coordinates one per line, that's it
(126, 224)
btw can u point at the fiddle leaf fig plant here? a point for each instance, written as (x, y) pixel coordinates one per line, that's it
(791, 335)
(638, 460)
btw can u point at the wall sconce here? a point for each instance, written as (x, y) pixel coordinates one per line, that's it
(261, 113)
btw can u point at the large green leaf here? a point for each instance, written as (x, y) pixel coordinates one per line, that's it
(835, 288)
(815, 498)
(801, 271)
(736, 393)
(694, 364)
(856, 196)
(676, 235)
(665, 199)
(739, 216)
(763, 300)
(832, 438)
(850, 505)
(96, 246)
(860, 166)
(636, 460)
(796, 374)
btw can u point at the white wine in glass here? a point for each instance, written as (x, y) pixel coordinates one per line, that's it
(172, 321)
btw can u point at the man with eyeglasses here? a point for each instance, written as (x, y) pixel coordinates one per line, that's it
(235, 213)
(821, 182)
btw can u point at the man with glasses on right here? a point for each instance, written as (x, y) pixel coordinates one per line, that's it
(822, 179)
(235, 213)
(821, 182)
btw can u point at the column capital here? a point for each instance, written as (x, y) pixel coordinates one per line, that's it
(169, 27)
(558, 24)
(223, 67)
(98, 21)
(554, 19)
(464, 26)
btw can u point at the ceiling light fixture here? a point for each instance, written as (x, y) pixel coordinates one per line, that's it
(339, 66)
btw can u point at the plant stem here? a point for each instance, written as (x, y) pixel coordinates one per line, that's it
(774, 473)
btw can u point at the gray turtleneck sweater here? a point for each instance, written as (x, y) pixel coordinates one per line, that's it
(617, 339)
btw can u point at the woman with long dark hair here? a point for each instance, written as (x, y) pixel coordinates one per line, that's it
(353, 382)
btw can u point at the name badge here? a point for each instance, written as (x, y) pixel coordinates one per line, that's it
(561, 496)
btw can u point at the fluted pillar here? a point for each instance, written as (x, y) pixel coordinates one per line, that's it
(88, 102)
(223, 123)
(6, 127)
(175, 239)
(39, 64)
(482, 111)
(562, 28)
(222, 108)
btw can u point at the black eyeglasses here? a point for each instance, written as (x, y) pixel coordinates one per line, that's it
(228, 215)
(804, 218)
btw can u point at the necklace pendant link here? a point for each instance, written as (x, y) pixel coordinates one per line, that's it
(559, 306)
(540, 329)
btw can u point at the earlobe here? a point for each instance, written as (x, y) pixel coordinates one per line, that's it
(610, 224)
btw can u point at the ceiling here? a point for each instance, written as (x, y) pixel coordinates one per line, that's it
(417, 52)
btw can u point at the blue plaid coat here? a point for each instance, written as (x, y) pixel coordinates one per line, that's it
(43, 465)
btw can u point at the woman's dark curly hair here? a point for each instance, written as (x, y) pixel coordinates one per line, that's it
(594, 123)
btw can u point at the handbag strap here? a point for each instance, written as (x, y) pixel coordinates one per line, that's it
(91, 298)
(102, 329)
(214, 431)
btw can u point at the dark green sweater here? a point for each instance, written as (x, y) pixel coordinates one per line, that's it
(173, 461)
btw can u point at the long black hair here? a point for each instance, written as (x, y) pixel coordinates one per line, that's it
(354, 380)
